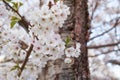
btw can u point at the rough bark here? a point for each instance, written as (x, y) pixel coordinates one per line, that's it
(80, 22)
(81, 33)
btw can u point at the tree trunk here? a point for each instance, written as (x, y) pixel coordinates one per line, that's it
(81, 33)
(79, 21)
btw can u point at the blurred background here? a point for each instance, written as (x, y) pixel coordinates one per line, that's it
(104, 43)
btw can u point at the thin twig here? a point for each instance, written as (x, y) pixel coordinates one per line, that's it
(105, 45)
(23, 21)
(115, 25)
(103, 53)
(26, 60)
(12, 8)
(94, 9)
(115, 62)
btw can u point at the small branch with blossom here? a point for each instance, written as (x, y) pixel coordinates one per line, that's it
(23, 21)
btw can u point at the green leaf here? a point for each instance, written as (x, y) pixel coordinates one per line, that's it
(14, 20)
(55, 1)
(16, 5)
(20, 4)
(67, 41)
(8, 0)
(12, 24)
(15, 67)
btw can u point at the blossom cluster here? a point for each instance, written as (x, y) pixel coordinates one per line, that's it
(43, 34)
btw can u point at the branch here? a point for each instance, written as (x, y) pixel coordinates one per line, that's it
(116, 23)
(115, 62)
(94, 9)
(104, 53)
(23, 22)
(105, 45)
(26, 60)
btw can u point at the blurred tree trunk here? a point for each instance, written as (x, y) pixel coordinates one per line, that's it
(68, 71)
